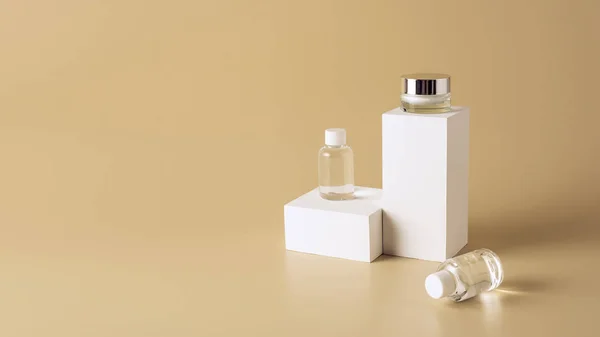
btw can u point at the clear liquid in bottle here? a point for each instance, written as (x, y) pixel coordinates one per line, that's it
(466, 275)
(336, 167)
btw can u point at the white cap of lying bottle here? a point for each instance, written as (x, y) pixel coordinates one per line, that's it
(440, 284)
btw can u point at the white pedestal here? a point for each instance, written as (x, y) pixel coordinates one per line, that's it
(425, 183)
(348, 229)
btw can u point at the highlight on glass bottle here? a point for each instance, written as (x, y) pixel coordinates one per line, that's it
(465, 276)
(425, 93)
(336, 167)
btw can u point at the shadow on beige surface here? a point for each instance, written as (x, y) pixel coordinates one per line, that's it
(530, 231)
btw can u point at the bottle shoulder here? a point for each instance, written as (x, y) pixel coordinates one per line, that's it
(336, 149)
(332, 152)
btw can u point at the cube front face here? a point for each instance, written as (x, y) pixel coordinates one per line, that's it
(424, 199)
(311, 226)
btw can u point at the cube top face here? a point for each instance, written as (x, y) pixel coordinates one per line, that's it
(443, 116)
(362, 204)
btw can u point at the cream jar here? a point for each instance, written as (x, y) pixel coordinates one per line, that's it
(425, 93)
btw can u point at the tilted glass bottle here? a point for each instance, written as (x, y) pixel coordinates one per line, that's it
(425, 93)
(466, 275)
(336, 167)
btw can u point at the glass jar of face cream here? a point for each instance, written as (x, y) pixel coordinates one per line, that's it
(425, 93)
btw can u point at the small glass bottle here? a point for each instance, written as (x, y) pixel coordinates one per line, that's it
(466, 275)
(425, 93)
(336, 167)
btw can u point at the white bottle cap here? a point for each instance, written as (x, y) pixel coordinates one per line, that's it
(440, 284)
(335, 137)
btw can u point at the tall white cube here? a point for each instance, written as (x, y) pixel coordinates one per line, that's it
(349, 229)
(425, 183)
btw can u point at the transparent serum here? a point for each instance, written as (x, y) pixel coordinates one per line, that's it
(336, 167)
(425, 93)
(465, 276)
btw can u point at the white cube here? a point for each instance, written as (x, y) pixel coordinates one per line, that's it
(349, 229)
(425, 183)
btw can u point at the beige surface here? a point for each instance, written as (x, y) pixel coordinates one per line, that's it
(125, 211)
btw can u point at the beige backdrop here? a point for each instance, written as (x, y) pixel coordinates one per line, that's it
(147, 149)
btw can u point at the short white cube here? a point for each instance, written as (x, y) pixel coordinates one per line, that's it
(425, 183)
(349, 229)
